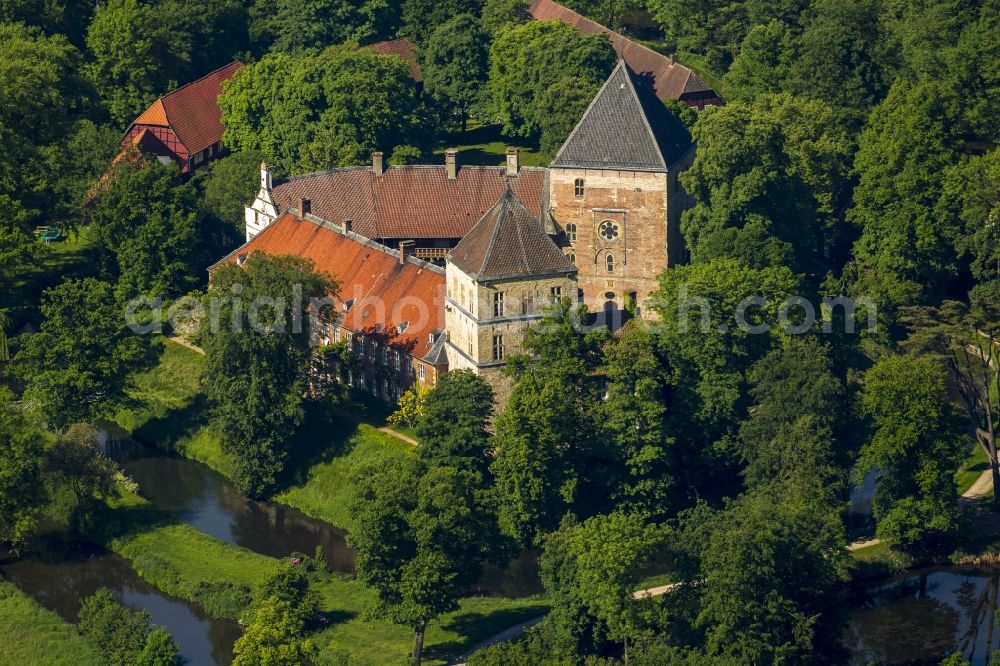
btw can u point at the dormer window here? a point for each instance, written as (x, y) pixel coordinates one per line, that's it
(348, 304)
(578, 188)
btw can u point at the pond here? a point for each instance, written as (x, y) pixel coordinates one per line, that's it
(63, 572)
(922, 617)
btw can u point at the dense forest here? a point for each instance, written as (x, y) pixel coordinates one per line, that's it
(854, 159)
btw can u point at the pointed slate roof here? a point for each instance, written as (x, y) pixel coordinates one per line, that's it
(508, 242)
(625, 127)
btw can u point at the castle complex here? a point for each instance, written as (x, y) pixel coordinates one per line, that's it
(445, 266)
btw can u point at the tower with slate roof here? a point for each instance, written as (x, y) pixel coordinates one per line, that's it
(499, 278)
(613, 195)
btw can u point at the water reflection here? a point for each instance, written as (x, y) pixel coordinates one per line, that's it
(206, 500)
(923, 617)
(63, 574)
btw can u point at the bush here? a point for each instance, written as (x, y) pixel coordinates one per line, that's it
(125, 637)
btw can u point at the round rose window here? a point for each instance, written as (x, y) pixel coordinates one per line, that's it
(608, 231)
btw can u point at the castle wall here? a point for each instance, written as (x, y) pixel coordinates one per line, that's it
(643, 238)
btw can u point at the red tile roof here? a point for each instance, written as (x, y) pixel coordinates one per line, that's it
(409, 201)
(404, 49)
(670, 80)
(385, 292)
(192, 110)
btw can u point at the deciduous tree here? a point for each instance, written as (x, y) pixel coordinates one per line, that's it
(916, 446)
(22, 495)
(526, 60)
(75, 463)
(452, 427)
(256, 366)
(420, 539)
(455, 64)
(78, 365)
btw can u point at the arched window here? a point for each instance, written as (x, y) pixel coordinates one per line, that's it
(572, 258)
(571, 232)
(609, 263)
(578, 187)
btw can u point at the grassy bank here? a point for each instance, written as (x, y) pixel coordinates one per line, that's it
(35, 635)
(376, 644)
(972, 467)
(181, 561)
(170, 412)
(169, 408)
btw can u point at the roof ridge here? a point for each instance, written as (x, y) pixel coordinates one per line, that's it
(624, 37)
(642, 108)
(586, 111)
(198, 80)
(502, 202)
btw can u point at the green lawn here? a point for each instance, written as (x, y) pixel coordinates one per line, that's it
(170, 411)
(378, 643)
(324, 490)
(34, 635)
(972, 467)
(484, 145)
(19, 296)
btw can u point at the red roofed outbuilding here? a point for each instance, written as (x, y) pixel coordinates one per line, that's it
(668, 78)
(184, 126)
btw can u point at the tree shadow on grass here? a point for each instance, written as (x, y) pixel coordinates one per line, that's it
(115, 522)
(477, 627)
(324, 435)
(166, 431)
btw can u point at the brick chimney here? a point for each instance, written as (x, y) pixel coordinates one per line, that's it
(377, 163)
(673, 58)
(305, 208)
(451, 163)
(405, 248)
(512, 162)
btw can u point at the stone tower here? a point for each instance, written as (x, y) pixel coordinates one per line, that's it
(499, 278)
(614, 195)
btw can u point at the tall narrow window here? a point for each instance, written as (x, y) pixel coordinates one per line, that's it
(571, 232)
(578, 187)
(423, 373)
(555, 294)
(609, 263)
(572, 258)
(497, 347)
(498, 304)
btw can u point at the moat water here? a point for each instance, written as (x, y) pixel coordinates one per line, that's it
(915, 619)
(61, 573)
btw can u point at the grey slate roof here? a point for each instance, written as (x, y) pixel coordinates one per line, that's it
(625, 127)
(437, 354)
(508, 242)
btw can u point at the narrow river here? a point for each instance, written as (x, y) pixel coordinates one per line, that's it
(59, 574)
(914, 619)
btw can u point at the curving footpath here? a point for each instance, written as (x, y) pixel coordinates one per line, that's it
(511, 633)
